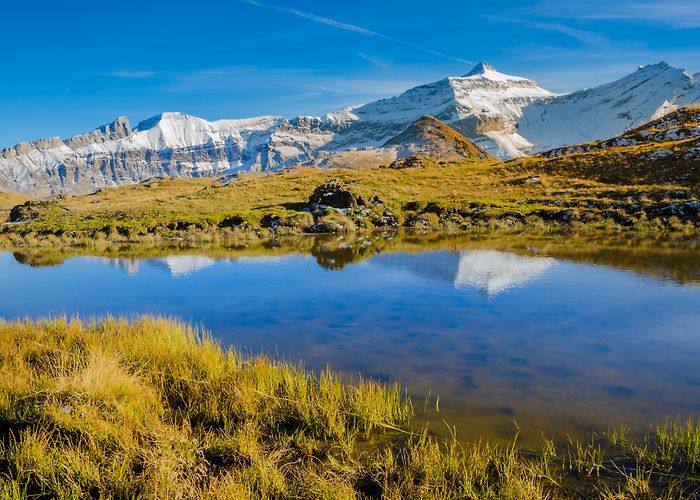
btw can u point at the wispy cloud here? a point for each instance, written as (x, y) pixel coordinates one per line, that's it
(670, 13)
(584, 36)
(231, 79)
(135, 74)
(302, 97)
(352, 28)
(373, 60)
(65, 91)
(281, 84)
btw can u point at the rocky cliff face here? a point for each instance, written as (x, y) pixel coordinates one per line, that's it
(506, 115)
(168, 145)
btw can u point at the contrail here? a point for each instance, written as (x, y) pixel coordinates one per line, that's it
(351, 27)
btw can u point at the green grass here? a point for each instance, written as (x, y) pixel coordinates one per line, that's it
(152, 408)
(444, 196)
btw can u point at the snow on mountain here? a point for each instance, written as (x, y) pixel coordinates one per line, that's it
(167, 145)
(481, 91)
(506, 115)
(495, 272)
(488, 271)
(607, 110)
(481, 101)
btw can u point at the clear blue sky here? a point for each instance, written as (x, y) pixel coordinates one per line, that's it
(69, 67)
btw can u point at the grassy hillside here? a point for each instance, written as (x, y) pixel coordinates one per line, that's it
(666, 150)
(456, 196)
(431, 137)
(154, 409)
(645, 180)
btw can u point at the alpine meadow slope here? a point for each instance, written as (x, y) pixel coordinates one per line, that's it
(644, 181)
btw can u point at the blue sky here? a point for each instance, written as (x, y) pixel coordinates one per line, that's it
(72, 66)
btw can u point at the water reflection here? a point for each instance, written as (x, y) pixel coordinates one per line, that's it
(671, 259)
(177, 265)
(490, 271)
(502, 333)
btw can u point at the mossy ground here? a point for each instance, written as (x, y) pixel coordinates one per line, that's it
(151, 408)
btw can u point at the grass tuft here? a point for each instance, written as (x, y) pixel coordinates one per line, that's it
(154, 408)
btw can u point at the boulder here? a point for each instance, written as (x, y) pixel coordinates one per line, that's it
(334, 194)
(270, 221)
(23, 213)
(414, 161)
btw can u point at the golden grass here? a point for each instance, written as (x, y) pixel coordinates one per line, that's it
(152, 408)
(9, 200)
(453, 196)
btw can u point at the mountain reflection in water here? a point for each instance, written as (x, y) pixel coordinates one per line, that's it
(490, 271)
(564, 344)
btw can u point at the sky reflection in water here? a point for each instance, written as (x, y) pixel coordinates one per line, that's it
(553, 345)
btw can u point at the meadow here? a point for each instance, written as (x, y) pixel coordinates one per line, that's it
(460, 196)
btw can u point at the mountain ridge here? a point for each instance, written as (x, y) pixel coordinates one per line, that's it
(507, 116)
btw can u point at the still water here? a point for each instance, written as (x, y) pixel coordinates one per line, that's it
(502, 338)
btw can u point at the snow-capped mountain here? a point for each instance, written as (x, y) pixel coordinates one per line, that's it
(608, 110)
(506, 115)
(483, 105)
(167, 145)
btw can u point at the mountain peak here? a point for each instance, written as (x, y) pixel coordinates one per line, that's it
(657, 67)
(120, 126)
(481, 68)
(484, 71)
(663, 69)
(115, 130)
(168, 116)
